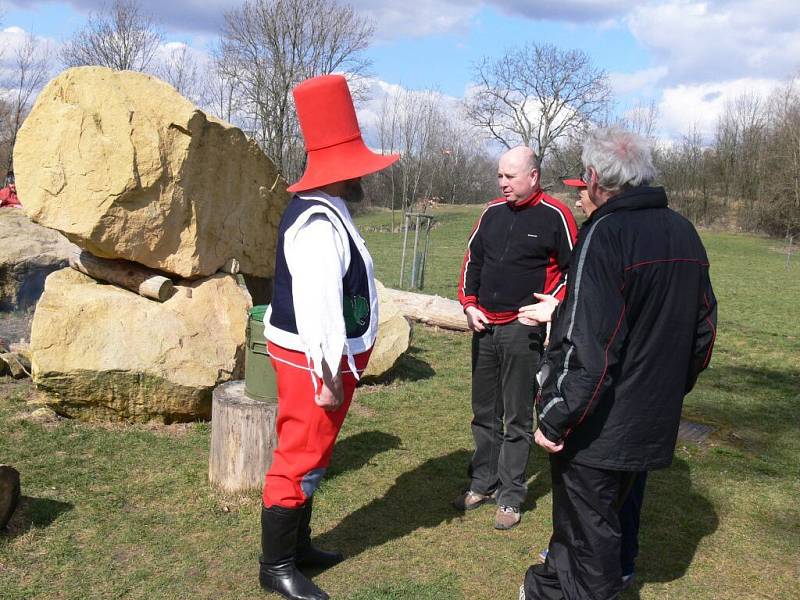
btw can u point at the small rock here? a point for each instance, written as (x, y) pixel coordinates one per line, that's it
(22, 348)
(9, 493)
(17, 365)
(43, 415)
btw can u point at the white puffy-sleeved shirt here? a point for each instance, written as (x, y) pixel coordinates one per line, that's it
(318, 258)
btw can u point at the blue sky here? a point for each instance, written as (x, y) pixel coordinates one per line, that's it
(689, 57)
(444, 61)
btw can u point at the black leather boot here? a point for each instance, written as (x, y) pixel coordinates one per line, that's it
(278, 572)
(307, 554)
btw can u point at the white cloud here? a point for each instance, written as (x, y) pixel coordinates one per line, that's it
(12, 41)
(379, 91)
(639, 81)
(720, 40)
(685, 107)
(169, 50)
(420, 18)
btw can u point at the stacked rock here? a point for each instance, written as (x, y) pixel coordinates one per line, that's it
(131, 172)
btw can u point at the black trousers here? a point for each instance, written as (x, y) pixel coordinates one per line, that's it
(629, 516)
(583, 560)
(504, 363)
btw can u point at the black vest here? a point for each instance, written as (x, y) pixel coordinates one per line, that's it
(355, 283)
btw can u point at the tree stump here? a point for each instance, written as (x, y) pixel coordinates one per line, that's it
(9, 493)
(243, 439)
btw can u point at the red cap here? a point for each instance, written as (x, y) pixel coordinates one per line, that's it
(578, 183)
(335, 150)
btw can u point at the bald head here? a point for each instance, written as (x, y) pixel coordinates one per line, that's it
(518, 174)
(521, 156)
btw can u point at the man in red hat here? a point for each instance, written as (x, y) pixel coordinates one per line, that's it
(320, 328)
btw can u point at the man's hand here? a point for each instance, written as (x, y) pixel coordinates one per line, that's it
(541, 312)
(331, 395)
(542, 441)
(476, 320)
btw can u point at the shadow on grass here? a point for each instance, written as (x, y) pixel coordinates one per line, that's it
(675, 518)
(539, 484)
(764, 402)
(34, 513)
(407, 368)
(771, 383)
(358, 450)
(418, 499)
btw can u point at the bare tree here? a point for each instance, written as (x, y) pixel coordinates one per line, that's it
(440, 158)
(179, 69)
(121, 36)
(30, 69)
(222, 89)
(278, 43)
(642, 119)
(779, 212)
(536, 94)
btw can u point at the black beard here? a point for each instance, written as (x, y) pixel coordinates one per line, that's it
(353, 191)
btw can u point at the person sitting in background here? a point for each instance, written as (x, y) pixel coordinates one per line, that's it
(8, 195)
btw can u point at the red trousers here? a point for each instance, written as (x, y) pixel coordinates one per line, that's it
(306, 432)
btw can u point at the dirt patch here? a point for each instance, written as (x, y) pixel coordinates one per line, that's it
(17, 390)
(15, 326)
(360, 410)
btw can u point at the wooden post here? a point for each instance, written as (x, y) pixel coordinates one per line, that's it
(414, 255)
(130, 275)
(425, 252)
(9, 493)
(405, 240)
(243, 439)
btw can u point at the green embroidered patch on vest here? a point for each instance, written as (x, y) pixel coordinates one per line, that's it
(356, 313)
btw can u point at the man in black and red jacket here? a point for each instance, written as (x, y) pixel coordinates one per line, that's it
(518, 252)
(637, 327)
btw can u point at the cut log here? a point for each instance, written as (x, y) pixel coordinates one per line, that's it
(130, 275)
(430, 310)
(9, 493)
(243, 439)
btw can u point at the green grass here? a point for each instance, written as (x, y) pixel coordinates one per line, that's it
(126, 512)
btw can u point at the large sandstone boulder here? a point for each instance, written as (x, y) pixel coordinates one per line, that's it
(394, 336)
(28, 254)
(126, 167)
(100, 352)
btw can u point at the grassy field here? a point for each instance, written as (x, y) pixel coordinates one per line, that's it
(126, 512)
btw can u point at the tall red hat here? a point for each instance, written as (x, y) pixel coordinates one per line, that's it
(332, 137)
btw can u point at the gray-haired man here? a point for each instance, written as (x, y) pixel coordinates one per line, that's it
(636, 329)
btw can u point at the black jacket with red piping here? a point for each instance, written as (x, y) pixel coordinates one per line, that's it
(636, 329)
(516, 250)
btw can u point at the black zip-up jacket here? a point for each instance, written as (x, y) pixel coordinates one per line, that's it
(637, 327)
(516, 250)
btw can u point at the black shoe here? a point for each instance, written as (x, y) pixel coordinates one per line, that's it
(627, 581)
(278, 572)
(307, 554)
